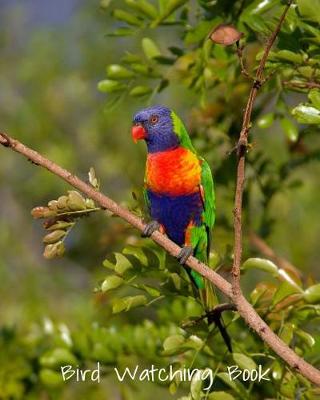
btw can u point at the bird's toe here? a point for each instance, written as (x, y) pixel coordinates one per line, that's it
(150, 228)
(184, 254)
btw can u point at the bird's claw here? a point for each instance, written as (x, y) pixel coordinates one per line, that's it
(184, 254)
(150, 228)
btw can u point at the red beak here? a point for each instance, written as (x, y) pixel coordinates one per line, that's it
(138, 132)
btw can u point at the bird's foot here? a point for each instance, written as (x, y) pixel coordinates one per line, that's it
(151, 227)
(184, 254)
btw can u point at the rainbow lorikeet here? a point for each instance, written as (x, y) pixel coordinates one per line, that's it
(179, 192)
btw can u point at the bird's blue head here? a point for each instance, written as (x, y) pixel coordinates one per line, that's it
(155, 126)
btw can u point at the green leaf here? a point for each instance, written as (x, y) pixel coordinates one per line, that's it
(176, 280)
(309, 9)
(172, 344)
(143, 6)
(262, 264)
(57, 357)
(220, 396)
(170, 7)
(122, 263)
(284, 290)
(127, 303)
(195, 386)
(286, 333)
(50, 378)
(111, 282)
(287, 55)
(109, 86)
(266, 120)
(257, 24)
(290, 129)
(150, 49)
(257, 7)
(314, 97)
(277, 370)
(243, 361)
(235, 385)
(140, 91)
(124, 16)
(136, 252)
(312, 294)
(152, 291)
(306, 114)
(116, 71)
(142, 69)
(200, 31)
(305, 337)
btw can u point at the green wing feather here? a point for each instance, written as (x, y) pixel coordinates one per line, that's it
(146, 198)
(201, 236)
(180, 130)
(209, 213)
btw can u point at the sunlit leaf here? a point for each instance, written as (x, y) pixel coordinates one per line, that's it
(312, 294)
(314, 97)
(150, 49)
(110, 86)
(309, 9)
(243, 361)
(116, 71)
(305, 337)
(127, 17)
(266, 120)
(144, 7)
(306, 114)
(111, 282)
(260, 263)
(290, 129)
(127, 303)
(139, 91)
(284, 290)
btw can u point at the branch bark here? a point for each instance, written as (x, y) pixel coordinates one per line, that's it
(232, 291)
(301, 85)
(268, 252)
(241, 153)
(243, 307)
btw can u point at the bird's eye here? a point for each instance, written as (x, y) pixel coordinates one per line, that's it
(154, 119)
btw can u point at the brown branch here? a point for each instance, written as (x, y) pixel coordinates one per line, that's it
(268, 252)
(302, 85)
(241, 153)
(241, 61)
(244, 308)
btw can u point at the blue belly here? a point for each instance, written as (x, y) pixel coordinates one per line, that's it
(175, 213)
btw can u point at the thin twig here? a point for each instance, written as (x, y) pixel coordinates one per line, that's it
(302, 85)
(241, 153)
(217, 310)
(241, 61)
(243, 307)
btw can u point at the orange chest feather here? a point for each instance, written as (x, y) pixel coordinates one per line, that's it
(175, 172)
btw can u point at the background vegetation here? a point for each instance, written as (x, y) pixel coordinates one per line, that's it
(138, 52)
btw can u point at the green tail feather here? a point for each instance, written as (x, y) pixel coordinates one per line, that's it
(209, 299)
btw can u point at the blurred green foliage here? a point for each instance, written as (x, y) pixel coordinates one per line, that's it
(139, 309)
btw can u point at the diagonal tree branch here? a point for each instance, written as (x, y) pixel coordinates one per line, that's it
(243, 307)
(268, 252)
(241, 153)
